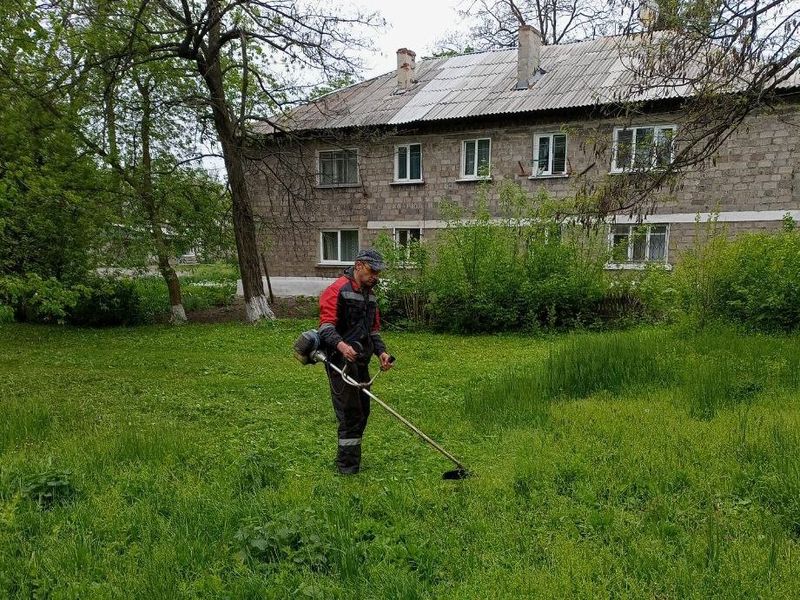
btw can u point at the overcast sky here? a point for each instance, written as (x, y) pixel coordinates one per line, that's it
(413, 24)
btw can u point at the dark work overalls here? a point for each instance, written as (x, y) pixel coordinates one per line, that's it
(351, 315)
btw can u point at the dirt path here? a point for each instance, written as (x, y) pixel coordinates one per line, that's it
(302, 307)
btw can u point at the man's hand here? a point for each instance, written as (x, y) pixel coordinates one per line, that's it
(386, 361)
(347, 351)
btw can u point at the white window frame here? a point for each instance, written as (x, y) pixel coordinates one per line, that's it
(630, 262)
(474, 176)
(338, 261)
(407, 179)
(334, 185)
(615, 168)
(395, 236)
(537, 138)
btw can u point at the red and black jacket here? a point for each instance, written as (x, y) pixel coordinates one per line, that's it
(350, 313)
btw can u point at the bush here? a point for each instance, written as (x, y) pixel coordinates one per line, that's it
(648, 296)
(35, 299)
(104, 302)
(6, 314)
(524, 271)
(753, 280)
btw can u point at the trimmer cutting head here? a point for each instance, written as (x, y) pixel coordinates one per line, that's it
(456, 474)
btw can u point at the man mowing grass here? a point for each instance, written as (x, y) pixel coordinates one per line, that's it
(349, 325)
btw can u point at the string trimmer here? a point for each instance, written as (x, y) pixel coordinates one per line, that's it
(306, 350)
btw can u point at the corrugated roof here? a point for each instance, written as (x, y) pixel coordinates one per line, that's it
(472, 85)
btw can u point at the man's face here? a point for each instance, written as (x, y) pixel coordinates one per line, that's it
(365, 275)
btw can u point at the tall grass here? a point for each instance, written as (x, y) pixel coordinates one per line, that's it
(585, 365)
(22, 421)
(707, 371)
(771, 457)
(580, 366)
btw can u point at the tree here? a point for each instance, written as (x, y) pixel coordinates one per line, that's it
(54, 200)
(131, 113)
(725, 61)
(494, 24)
(239, 50)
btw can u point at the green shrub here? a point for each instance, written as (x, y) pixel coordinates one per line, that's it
(561, 287)
(753, 280)
(646, 296)
(104, 302)
(524, 271)
(403, 299)
(199, 297)
(35, 299)
(6, 314)
(153, 297)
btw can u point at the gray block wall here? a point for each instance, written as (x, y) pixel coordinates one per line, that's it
(757, 169)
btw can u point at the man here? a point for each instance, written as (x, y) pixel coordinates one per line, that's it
(349, 324)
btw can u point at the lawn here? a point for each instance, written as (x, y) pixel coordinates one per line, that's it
(196, 462)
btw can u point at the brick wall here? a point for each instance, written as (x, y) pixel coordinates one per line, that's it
(757, 169)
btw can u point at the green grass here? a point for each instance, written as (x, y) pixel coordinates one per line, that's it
(196, 462)
(202, 286)
(220, 272)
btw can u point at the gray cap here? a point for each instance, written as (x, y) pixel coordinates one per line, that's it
(373, 258)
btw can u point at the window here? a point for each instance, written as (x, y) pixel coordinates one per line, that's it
(339, 246)
(338, 167)
(405, 238)
(408, 162)
(643, 148)
(550, 154)
(476, 156)
(638, 243)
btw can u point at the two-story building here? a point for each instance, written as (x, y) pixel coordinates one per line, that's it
(379, 156)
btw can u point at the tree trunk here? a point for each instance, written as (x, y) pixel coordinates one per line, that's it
(177, 313)
(256, 302)
(266, 276)
(244, 227)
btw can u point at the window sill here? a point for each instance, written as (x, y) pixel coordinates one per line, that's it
(337, 185)
(335, 264)
(408, 182)
(636, 266)
(635, 171)
(473, 179)
(556, 176)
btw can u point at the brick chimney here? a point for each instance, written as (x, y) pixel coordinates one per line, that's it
(528, 55)
(406, 62)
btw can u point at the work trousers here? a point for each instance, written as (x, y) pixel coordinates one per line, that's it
(351, 406)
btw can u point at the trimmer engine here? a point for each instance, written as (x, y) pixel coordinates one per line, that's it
(306, 348)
